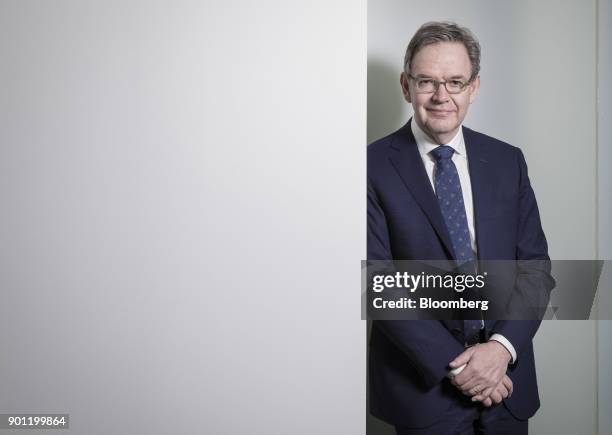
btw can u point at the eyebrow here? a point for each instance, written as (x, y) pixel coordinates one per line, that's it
(458, 76)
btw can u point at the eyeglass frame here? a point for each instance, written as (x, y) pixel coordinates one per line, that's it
(438, 83)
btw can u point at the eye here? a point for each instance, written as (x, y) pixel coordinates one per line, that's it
(425, 82)
(456, 83)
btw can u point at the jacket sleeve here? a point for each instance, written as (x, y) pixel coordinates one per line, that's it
(533, 264)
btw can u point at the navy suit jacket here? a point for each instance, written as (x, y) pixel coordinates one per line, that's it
(408, 359)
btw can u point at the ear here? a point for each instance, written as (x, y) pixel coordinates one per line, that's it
(405, 87)
(473, 88)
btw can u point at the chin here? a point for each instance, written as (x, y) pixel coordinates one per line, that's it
(442, 127)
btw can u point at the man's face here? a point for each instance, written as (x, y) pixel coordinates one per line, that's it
(439, 113)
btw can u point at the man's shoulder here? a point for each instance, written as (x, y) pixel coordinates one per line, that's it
(490, 143)
(382, 151)
(382, 145)
(483, 144)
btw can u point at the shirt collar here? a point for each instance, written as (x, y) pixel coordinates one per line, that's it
(426, 145)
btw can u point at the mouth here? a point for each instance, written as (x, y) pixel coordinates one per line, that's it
(439, 113)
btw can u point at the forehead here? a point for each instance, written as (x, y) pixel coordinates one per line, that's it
(442, 59)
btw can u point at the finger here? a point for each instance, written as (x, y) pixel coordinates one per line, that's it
(487, 402)
(495, 396)
(487, 392)
(502, 390)
(508, 384)
(479, 398)
(507, 381)
(463, 358)
(465, 377)
(470, 385)
(473, 391)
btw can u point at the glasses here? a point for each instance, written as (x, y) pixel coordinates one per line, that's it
(426, 85)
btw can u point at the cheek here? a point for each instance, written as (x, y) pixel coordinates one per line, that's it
(462, 104)
(420, 104)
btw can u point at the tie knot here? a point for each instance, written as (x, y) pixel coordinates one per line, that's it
(443, 152)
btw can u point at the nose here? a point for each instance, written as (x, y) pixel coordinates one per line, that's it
(441, 94)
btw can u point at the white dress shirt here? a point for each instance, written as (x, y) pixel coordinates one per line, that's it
(425, 145)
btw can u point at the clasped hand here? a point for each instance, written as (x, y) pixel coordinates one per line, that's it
(484, 377)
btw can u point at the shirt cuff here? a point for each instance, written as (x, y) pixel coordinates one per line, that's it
(455, 372)
(506, 343)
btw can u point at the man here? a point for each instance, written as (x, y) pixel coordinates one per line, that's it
(440, 191)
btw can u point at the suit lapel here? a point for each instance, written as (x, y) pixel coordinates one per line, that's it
(409, 165)
(480, 178)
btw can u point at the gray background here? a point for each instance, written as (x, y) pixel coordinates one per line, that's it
(543, 64)
(183, 215)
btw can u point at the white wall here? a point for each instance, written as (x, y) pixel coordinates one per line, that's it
(538, 91)
(183, 216)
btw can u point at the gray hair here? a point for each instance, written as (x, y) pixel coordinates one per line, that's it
(444, 31)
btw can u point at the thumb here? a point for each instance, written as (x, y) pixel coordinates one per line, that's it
(462, 359)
